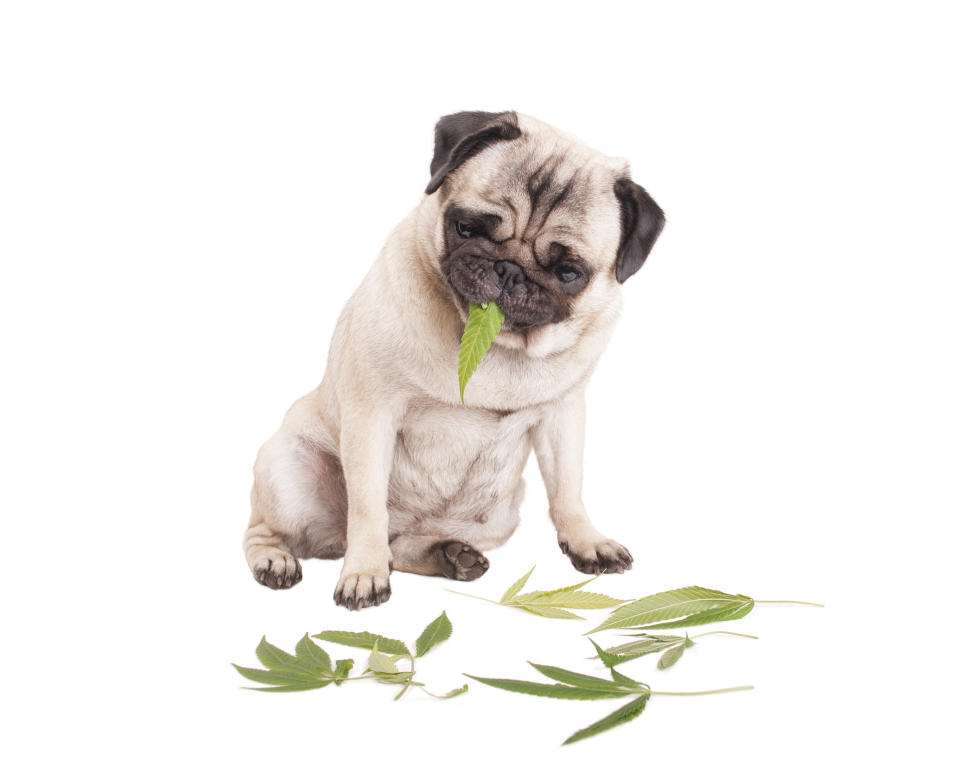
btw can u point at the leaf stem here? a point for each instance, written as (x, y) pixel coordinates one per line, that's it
(704, 692)
(724, 632)
(467, 594)
(797, 602)
(432, 695)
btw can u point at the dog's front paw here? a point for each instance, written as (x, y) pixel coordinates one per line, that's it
(274, 568)
(600, 556)
(356, 591)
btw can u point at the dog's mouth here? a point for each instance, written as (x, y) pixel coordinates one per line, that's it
(525, 304)
(510, 324)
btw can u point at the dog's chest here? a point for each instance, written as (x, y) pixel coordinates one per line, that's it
(456, 463)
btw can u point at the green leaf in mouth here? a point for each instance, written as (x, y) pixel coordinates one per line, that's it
(483, 324)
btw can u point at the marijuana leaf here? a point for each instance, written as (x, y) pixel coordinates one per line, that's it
(671, 656)
(308, 652)
(577, 686)
(483, 324)
(451, 694)
(342, 671)
(671, 646)
(620, 654)
(514, 588)
(684, 607)
(625, 713)
(380, 663)
(364, 641)
(311, 667)
(552, 603)
(547, 611)
(548, 690)
(577, 679)
(438, 630)
(308, 670)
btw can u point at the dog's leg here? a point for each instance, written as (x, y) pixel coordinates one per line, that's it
(558, 442)
(269, 557)
(435, 556)
(368, 435)
(298, 506)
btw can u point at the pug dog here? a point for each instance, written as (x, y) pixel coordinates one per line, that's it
(382, 464)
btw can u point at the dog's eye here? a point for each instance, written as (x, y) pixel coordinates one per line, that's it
(567, 273)
(465, 230)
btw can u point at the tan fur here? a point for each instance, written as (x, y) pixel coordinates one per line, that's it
(416, 464)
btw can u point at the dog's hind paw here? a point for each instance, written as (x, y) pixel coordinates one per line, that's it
(460, 561)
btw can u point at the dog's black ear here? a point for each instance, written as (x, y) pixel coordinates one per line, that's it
(641, 221)
(459, 137)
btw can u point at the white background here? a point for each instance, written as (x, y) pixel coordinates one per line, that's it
(189, 191)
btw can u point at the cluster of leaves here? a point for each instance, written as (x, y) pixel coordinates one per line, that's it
(674, 608)
(553, 603)
(311, 667)
(577, 686)
(672, 648)
(483, 324)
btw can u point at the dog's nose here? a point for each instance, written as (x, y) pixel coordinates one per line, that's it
(509, 272)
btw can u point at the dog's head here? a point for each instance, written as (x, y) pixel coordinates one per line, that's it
(535, 220)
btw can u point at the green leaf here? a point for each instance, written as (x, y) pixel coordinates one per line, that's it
(438, 630)
(646, 646)
(342, 672)
(576, 679)
(686, 603)
(570, 588)
(276, 676)
(400, 677)
(483, 324)
(703, 618)
(310, 654)
(610, 659)
(567, 599)
(514, 588)
(549, 690)
(630, 711)
(380, 663)
(549, 611)
(451, 694)
(272, 657)
(365, 641)
(624, 679)
(671, 656)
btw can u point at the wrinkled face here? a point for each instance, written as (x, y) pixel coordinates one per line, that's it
(531, 232)
(537, 222)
